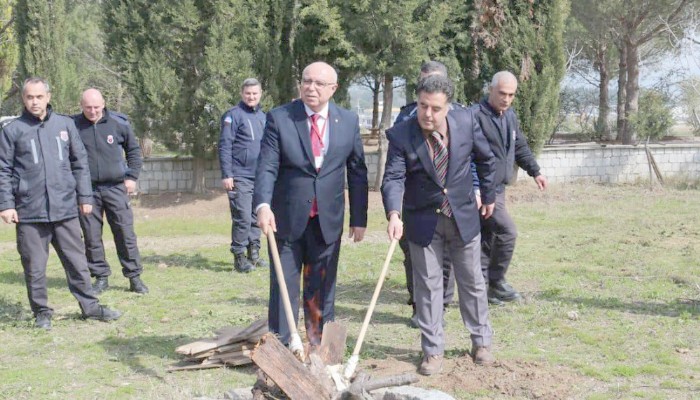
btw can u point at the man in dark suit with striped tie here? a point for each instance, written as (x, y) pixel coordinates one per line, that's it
(309, 149)
(428, 177)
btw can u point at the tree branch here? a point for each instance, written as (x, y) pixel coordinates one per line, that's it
(7, 25)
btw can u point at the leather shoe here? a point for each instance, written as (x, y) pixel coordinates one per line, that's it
(101, 284)
(502, 290)
(136, 285)
(431, 365)
(43, 321)
(482, 355)
(241, 263)
(254, 258)
(494, 301)
(104, 314)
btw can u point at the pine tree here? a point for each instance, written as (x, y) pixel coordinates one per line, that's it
(8, 47)
(41, 35)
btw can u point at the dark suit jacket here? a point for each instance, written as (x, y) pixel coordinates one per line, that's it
(287, 179)
(410, 181)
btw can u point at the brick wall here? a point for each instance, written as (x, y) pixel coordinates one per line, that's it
(596, 163)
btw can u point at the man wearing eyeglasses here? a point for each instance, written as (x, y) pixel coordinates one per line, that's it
(309, 148)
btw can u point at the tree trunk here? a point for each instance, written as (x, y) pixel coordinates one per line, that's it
(375, 102)
(602, 128)
(632, 88)
(386, 122)
(199, 166)
(621, 89)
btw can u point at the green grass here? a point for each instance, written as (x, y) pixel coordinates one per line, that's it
(624, 259)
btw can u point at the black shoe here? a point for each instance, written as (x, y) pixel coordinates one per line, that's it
(136, 285)
(502, 291)
(494, 301)
(254, 258)
(43, 321)
(241, 263)
(104, 313)
(101, 284)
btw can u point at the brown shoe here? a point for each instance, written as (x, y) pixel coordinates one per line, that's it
(431, 365)
(482, 356)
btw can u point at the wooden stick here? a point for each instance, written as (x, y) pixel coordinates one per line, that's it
(352, 363)
(295, 344)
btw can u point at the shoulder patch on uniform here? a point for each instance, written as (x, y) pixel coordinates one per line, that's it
(228, 120)
(7, 121)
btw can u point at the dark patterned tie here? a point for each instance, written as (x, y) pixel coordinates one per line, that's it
(440, 158)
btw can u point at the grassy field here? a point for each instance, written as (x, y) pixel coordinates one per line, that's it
(610, 275)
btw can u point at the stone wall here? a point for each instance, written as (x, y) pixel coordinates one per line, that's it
(595, 163)
(617, 163)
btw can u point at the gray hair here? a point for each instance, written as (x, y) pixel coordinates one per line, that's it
(34, 80)
(436, 84)
(501, 76)
(433, 67)
(250, 82)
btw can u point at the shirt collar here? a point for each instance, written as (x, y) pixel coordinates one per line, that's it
(323, 113)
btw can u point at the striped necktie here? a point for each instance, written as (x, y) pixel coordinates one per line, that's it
(440, 158)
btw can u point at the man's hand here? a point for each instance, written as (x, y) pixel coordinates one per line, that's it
(130, 185)
(487, 210)
(395, 227)
(9, 216)
(357, 233)
(227, 183)
(541, 181)
(86, 209)
(266, 220)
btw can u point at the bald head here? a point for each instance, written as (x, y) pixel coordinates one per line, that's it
(318, 84)
(93, 104)
(502, 91)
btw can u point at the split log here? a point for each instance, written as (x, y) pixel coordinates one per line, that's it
(333, 341)
(288, 373)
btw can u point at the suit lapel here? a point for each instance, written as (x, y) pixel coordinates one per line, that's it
(421, 148)
(457, 138)
(302, 124)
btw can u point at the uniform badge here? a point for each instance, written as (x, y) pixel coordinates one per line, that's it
(110, 139)
(228, 120)
(64, 136)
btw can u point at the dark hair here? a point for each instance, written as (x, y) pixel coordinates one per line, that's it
(433, 67)
(436, 84)
(33, 80)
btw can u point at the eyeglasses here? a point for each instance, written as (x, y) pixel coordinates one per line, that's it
(318, 84)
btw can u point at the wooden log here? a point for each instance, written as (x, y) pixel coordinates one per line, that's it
(174, 368)
(333, 341)
(225, 336)
(288, 373)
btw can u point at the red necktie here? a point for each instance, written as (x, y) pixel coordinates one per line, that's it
(316, 147)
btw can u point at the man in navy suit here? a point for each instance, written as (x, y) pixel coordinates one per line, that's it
(309, 148)
(428, 177)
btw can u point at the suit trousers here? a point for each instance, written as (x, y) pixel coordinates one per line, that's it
(317, 262)
(33, 246)
(427, 273)
(111, 201)
(448, 278)
(244, 228)
(498, 235)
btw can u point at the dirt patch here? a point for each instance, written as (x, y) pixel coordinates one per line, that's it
(510, 379)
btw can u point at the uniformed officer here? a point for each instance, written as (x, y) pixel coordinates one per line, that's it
(44, 183)
(107, 137)
(239, 145)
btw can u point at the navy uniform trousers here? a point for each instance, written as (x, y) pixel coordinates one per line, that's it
(244, 230)
(33, 246)
(112, 201)
(317, 262)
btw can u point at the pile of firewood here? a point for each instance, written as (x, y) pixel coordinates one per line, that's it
(232, 346)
